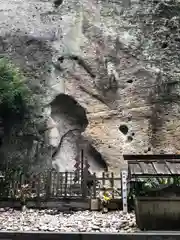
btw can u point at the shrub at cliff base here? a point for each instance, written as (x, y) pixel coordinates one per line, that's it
(14, 94)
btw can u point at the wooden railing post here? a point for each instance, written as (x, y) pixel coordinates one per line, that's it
(58, 183)
(103, 178)
(85, 176)
(94, 185)
(38, 186)
(112, 183)
(48, 184)
(66, 182)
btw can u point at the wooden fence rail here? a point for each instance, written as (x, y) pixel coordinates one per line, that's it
(108, 180)
(51, 184)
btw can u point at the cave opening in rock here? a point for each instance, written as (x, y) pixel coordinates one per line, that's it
(71, 121)
(124, 129)
(98, 158)
(67, 105)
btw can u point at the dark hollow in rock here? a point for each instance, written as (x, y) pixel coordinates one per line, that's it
(61, 59)
(98, 157)
(57, 3)
(130, 81)
(129, 139)
(124, 129)
(147, 150)
(75, 113)
(164, 45)
(69, 106)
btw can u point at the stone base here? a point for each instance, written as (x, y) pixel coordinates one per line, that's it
(95, 204)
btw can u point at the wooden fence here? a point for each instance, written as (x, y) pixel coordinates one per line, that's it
(109, 181)
(56, 185)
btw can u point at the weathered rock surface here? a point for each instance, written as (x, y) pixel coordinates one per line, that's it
(117, 59)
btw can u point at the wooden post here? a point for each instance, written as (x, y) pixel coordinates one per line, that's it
(38, 186)
(57, 184)
(48, 184)
(85, 180)
(82, 164)
(82, 174)
(16, 181)
(66, 182)
(94, 185)
(22, 179)
(103, 178)
(77, 167)
(54, 176)
(124, 190)
(107, 181)
(112, 183)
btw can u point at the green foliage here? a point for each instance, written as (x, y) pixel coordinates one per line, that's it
(14, 94)
(142, 187)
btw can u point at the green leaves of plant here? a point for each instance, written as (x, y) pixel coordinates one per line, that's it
(13, 90)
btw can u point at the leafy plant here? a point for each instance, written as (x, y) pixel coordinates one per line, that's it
(23, 193)
(14, 92)
(142, 187)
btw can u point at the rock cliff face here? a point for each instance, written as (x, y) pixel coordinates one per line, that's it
(105, 75)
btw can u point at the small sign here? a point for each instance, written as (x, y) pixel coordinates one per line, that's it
(124, 175)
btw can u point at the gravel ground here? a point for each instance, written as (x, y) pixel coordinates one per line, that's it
(53, 221)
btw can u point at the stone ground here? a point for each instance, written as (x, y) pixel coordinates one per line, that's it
(53, 221)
